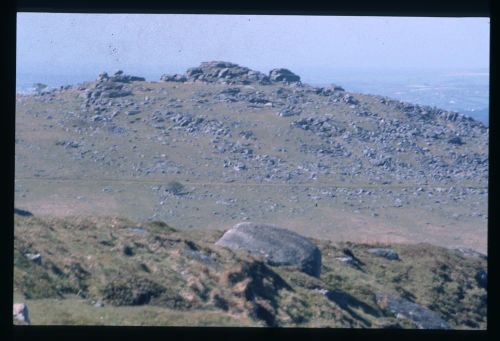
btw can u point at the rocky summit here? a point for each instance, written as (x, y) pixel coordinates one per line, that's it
(278, 246)
(251, 145)
(230, 73)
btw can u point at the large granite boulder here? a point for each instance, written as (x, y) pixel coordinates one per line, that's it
(277, 245)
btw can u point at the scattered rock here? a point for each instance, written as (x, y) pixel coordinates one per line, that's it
(34, 257)
(173, 78)
(456, 140)
(422, 317)
(350, 100)
(23, 213)
(466, 252)
(482, 278)
(289, 112)
(331, 90)
(386, 253)
(382, 323)
(277, 245)
(20, 314)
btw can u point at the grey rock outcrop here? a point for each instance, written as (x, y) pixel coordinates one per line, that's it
(422, 317)
(283, 75)
(119, 76)
(107, 87)
(173, 78)
(277, 245)
(219, 72)
(230, 73)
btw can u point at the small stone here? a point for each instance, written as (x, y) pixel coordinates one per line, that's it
(386, 253)
(456, 140)
(20, 313)
(482, 278)
(35, 258)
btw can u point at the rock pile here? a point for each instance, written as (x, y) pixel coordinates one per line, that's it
(120, 77)
(283, 75)
(324, 127)
(277, 245)
(219, 72)
(107, 87)
(190, 123)
(230, 73)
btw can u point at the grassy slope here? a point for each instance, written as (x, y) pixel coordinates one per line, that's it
(152, 274)
(448, 222)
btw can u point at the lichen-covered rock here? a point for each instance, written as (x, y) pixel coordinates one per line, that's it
(277, 245)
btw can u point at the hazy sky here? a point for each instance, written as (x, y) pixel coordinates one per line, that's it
(89, 43)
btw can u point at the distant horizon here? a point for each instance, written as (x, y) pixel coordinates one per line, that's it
(424, 86)
(160, 72)
(149, 74)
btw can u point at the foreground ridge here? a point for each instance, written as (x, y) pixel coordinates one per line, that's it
(152, 274)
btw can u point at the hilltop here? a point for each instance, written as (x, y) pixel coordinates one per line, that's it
(124, 188)
(245, 145)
